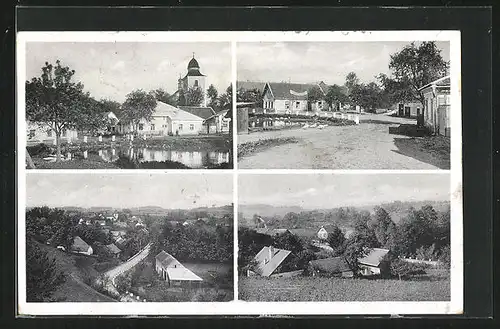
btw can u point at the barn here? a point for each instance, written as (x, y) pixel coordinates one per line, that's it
(81, 247)
(269, 261)
(334, 266)
(172, 271)
(374, 262)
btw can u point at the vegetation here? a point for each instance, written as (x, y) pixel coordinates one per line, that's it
(138, 105)
(54, 101)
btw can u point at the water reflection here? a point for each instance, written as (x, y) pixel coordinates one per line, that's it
(192, 159)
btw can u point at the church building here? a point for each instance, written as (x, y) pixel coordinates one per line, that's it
(193, 79)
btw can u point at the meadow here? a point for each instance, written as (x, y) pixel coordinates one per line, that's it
(433, 286)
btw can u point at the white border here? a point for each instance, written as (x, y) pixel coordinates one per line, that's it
(455, 306)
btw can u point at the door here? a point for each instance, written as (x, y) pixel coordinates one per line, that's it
(407, 111)
(401, 109)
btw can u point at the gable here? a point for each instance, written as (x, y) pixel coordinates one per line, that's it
(268, 266)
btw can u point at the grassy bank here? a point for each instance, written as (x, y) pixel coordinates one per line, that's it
(434, 286)
(249, 148)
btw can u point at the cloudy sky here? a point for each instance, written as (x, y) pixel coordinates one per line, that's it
(329, 191)
(305, 62)
(113, 69)
(176, 191)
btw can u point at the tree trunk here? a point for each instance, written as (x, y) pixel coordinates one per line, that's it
(58, 147)
(31, 164)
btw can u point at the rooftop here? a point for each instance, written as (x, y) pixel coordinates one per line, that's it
(176, 114)
(331, 265)
(374, 257)
(268, 265)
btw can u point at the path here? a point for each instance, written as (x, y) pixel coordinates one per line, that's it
(122, 268)
(365, 146)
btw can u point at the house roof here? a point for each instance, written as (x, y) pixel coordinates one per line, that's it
(290, 91)
(175, 270)
(176, 114)
(182, 274)
(441, 82)
(113, 248)
(272, 231)
(266, 269)
(250, 85)
(331, 265)
(79, 244)
(202, 112)
(374, 257)
(166, 260)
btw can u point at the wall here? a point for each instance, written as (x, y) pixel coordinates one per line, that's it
(39, 133)
(197, 127)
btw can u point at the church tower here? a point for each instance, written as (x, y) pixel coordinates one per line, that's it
(193, 79)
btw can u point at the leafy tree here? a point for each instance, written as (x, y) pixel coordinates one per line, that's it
(54, 101)
(163, 96)
(380, 223)
(314, 94)
(351, 81)
(288, 241)
(415, 66)
(138, 105)
(250, 95)
(109, 105)
(336, 238)
(194, 96)
(226, 99)
(335, 96)
(403, 270)
(42, 276)
(212, 95)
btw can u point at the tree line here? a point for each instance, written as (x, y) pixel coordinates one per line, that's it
(423, 233)
(411, 68)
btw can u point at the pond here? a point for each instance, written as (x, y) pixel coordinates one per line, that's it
(127, 157)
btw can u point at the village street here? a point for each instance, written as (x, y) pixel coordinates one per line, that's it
(122, 268)
(365, 146)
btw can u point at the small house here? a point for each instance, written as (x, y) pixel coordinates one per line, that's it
(409, 109)
(81, 247)
(41, 133)
(437, 106)
(218, 123)
(374, 262)
(268, 260)
(322, 233)
(284, 97)
(334, 266)
(113, 250)
(172, 271)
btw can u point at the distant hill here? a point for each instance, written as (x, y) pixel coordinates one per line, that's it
(266, 210)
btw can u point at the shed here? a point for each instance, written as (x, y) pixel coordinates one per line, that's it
(114, 250)
(171, 270)
(334, 266)
(81, 247)
(374, 262)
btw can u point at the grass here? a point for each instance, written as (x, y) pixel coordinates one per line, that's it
(77, 269)
(249, 148)
(434, 286)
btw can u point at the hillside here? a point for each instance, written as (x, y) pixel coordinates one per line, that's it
(266, 210)
(76, 269)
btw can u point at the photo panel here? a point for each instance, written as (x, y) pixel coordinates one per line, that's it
(325, 102)
(125, 239)
(340, 242)
(127, 104)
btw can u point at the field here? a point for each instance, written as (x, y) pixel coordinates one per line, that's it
(434, 286)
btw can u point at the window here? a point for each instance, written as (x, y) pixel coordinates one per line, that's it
(152, 126)
(196, 83)
(191, 126)
(141, 126)
(63, 133)
(297, 105)
(49, 133)
(287, 105)
(180, 126)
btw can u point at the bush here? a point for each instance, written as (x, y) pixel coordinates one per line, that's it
(39, 150)
(404, 270)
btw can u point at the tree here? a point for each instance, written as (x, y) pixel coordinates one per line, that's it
(226, 99)
(42, 276)
(335, 96)
(380, 224)
(109, 105)
(194, 96)
(212, 95)
(250, 95)
(314, 94)
(415, 66)
(54, 101)
(354, 90)
(351, 81)
(163, 96)
(336, 238)
(138, 105)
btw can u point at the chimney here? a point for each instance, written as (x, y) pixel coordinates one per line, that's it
(271, 252)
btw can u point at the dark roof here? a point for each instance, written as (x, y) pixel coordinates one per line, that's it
(291, 91)
(113, 248)
(331, 265)
(250, 85)
(441, 82)
(193, 63)
(374, 257)
(267, 266)
(167, 260)
(193, 73)
(202, 112)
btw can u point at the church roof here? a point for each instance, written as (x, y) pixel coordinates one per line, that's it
(193, 69)
(193, 63)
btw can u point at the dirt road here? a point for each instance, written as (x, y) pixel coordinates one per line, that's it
(122, 268)
(365, 146)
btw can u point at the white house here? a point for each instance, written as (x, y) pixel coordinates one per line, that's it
(37, 132)
(322, 233)
(167, 120)
(172, 271)
(411, 109)
(283, 97)
(437, 106)
(218, 123)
